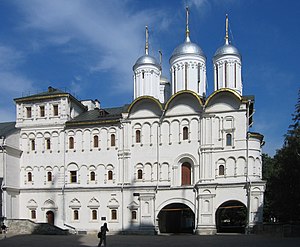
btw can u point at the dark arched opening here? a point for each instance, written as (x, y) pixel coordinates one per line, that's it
(231, 217)
(176, 218)
(50, 217)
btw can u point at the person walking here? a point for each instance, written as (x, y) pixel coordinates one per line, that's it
(3, 230)
(103, 230)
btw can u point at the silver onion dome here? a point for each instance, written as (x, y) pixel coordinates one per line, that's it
(146, 60)
(227, 49)
(187, 48)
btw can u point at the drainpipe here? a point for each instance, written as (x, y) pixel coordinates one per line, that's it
(4, 178)
(123, 172)
(158, 160)
(248, 182)
(64, 179)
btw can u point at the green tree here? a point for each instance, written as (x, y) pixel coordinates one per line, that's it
(283, 182)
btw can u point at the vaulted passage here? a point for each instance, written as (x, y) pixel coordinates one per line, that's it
(231, 217)
(176, 218)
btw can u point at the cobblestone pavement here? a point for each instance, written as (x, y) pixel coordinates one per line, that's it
(145, 241)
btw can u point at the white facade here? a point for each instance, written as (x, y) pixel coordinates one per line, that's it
(139, 166)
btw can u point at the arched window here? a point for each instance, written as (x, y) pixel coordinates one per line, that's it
(133, 215)
(49, 176)
(29, 177)
(75, 215)
(112, 140)
(48, 144)
(113, 214)
(139, 174)
(96, 141)
(92, 176)
(186, 174)
(137, 136)
(221, 170)
(71, 142)
(185, 133)
(228, 140)
(32, 144)
(33, 214)
(110, 175)
(94, 214)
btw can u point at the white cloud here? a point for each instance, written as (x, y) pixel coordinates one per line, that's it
(110, 30)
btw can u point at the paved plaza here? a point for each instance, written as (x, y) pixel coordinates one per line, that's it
(145, 241)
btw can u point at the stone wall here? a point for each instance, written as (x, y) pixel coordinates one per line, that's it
(29, 227)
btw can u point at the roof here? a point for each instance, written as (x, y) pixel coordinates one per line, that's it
(227, 49)
(99, 116)
(50, 94)
(6, 128)
(146, 60)
(187, 48)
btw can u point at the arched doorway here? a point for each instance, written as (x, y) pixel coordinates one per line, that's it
(176, 218)
(50, 217)
(231, 217)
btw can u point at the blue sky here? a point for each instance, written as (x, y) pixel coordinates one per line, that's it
(89, 47)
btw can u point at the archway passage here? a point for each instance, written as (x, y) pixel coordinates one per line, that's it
(231, 217)
(50, 217)
(176, 218)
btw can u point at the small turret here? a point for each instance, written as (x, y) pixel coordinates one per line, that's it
(228, 65)
(188, 65)
(147, 72)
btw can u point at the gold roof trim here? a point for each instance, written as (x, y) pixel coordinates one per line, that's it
(184, 92)
(228, 90)
(142, 98)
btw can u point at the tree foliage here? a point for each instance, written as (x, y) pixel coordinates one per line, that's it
(282, 197)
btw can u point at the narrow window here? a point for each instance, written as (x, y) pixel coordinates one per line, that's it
(186, 174)
(225, 79)
(71, 142)
(110, 175)
(174, 75)
(143, 75)
(96, 141)
(55, 110)
(221, 170)
(185, 74)
(73, 176)
(140, 174)
(75, 215)
(185, 133)
(32, 144)
(112, 140)
(49, 176)
(217, 76)
(29, 177)
(94, 214)
(33, 214)
(235, 75)
(92, 176)
(133, 215)
(28, 112)
(42, 111)
(199, 76)
(113, 214)
(228, 140)
(48, 144)
(137, 136)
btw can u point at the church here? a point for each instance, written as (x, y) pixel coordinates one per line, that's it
(174, 160)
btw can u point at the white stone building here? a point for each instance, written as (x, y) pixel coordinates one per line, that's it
(174, 160)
